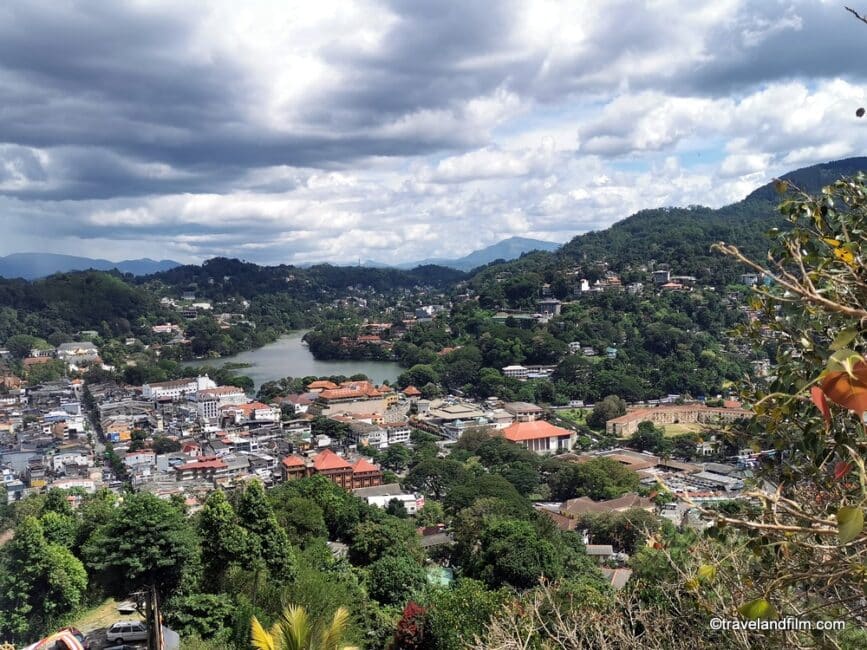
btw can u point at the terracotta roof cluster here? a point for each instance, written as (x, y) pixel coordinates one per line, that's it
(536, 430)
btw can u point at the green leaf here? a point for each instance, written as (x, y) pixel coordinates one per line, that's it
(843, 360)
(706, 572)
(843, 339)
(850, 522)
(756, 609)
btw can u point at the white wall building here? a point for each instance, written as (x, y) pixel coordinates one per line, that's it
(172, 390)
(209, 401)
(515, 372)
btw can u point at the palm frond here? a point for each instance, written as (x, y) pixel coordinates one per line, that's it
(260, 638)
(295, 628)
(333, 633)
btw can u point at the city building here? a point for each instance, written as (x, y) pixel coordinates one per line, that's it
(540, 436)
(515, 372)
(173, 390)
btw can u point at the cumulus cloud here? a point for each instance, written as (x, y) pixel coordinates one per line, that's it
(340, 130)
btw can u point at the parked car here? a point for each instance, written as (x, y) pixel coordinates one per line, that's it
(122, 646)
(123, 631)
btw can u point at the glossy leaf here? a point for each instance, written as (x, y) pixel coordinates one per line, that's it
(843, 339)
(760, 608)
(841, 468)
(706, 572)
(848, 386)
(821, 403)
(850, 523)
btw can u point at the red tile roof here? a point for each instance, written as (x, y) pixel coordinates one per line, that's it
(322, 383)
(536, 430)
(411, 391)
(349, 393)
(364, 465)
(246, 409)
(202, 464)
(327, 459)
(293, 461)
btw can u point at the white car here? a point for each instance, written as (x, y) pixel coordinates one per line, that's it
(124, 631)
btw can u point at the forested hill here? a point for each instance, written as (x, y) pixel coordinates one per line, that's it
(222, 275)
(680, 237)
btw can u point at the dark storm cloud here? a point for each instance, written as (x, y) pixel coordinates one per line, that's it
(112, 77)
(434, 55)
(122, 84)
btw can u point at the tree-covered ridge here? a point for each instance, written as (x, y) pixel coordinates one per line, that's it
(222, 277)
(67, 302)
(677, 236)
(265, 301)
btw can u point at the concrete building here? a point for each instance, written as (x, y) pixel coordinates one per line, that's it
(173, 390)
(380, 496)
(209, 401)
(524, 411)
(515, 372)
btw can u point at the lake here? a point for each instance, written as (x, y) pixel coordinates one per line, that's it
(288, 356)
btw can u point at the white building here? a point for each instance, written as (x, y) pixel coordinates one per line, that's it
(398, 433)
(515, 372)
(172, 390)
(143, 457)
(86, 484)
(381, 495)
(209, 401)
(77, 349)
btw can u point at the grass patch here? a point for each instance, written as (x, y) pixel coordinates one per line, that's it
(100, 616)
(578, 416)
(681, 428)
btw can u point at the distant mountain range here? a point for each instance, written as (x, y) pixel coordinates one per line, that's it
(39, 265)
(506, 250)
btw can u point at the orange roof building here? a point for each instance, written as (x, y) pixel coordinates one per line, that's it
(540, 436)
(362, 473)
(411, 391)
(321, 385)
(327, 461)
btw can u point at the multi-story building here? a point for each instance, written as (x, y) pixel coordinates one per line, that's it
(177, 389)
(209, 401)
(515, 372)
(361, 473)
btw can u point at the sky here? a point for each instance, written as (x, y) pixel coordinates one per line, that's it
(297, 132)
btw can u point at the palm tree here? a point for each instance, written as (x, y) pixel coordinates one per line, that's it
(294, 631)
